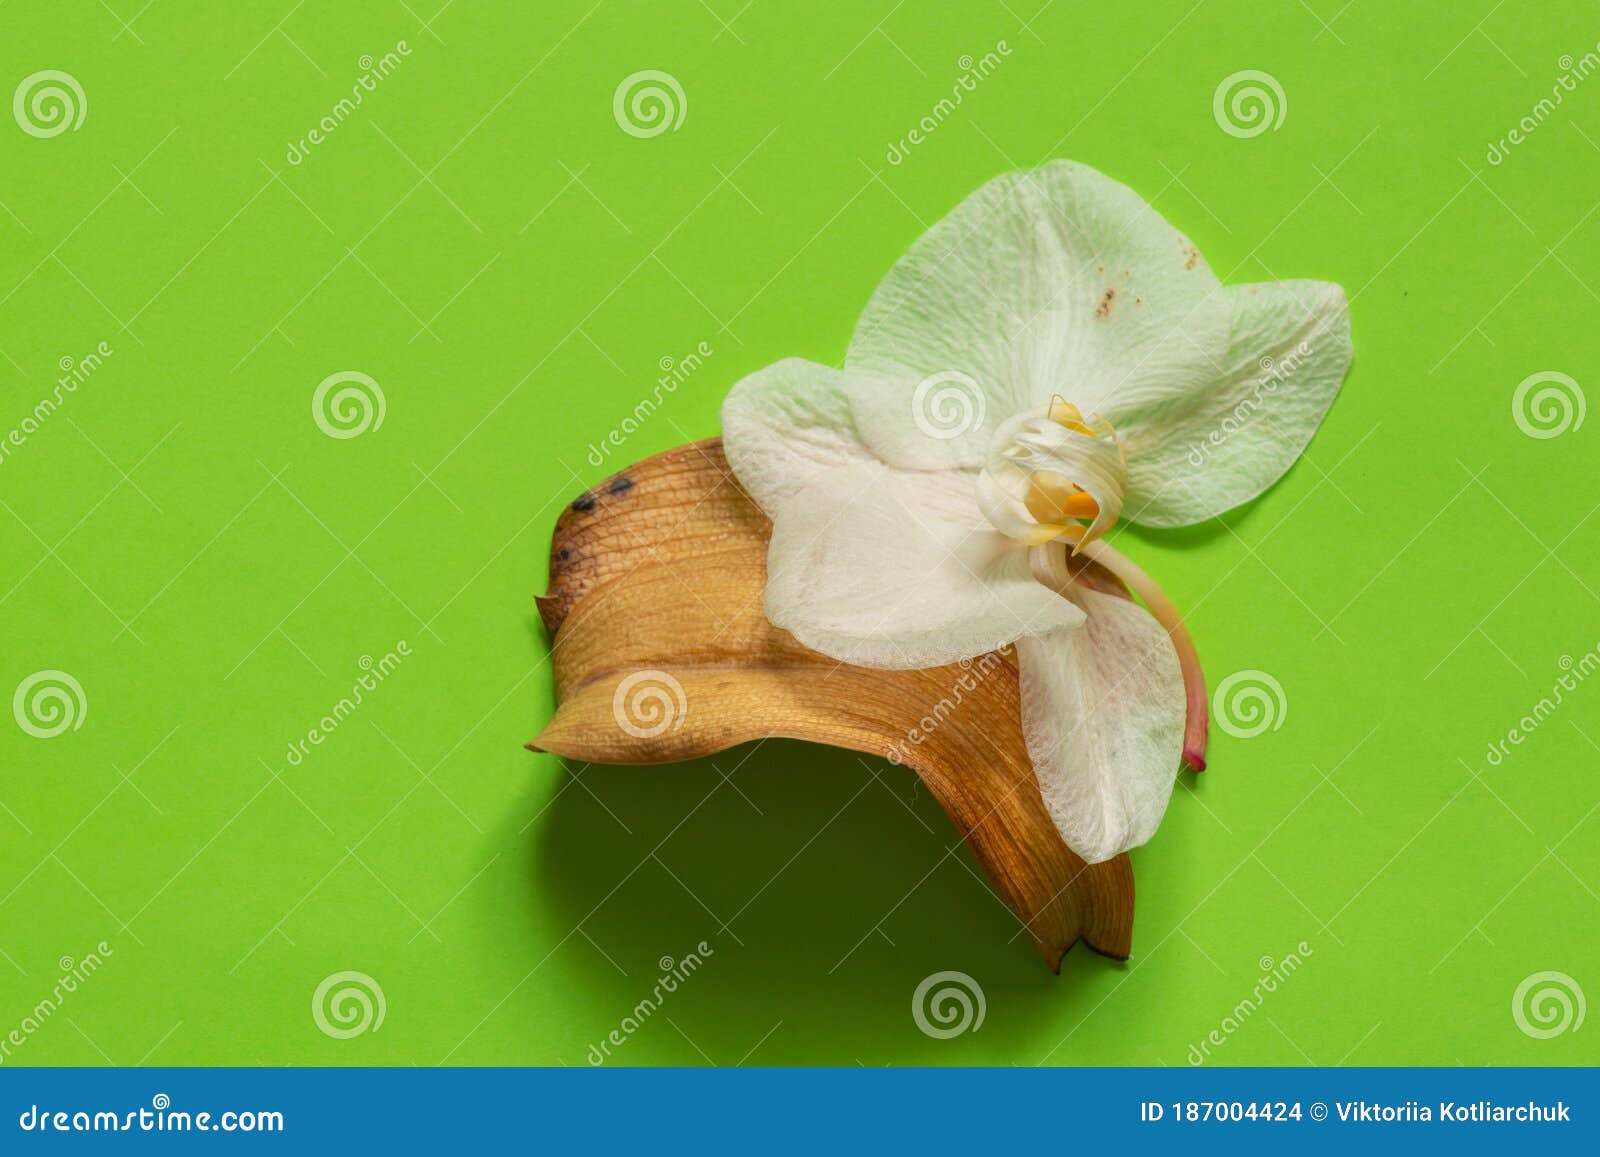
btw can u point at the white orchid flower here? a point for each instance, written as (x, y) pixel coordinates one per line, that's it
(1049, 358)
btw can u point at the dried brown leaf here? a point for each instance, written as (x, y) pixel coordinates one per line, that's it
(662, 569)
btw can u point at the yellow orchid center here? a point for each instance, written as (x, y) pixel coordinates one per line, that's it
(1052, 497)
(1064, 412)
(1050, 468)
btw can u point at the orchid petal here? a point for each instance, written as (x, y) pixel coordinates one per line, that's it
(1221, 446)
(884, 568)
(1102, 713)
(784, 425)
(1059, 280)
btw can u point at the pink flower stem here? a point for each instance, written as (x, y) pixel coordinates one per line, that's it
(1197, 719)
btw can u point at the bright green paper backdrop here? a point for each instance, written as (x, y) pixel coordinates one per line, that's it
(483, 240)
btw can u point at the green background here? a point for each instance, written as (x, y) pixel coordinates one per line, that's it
(483, 240)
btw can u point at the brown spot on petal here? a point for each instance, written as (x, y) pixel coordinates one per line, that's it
(1191, 257)
(1107, 300)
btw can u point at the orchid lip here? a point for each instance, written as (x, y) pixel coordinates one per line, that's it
(1050, 567)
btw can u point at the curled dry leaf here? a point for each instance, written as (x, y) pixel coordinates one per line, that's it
(662, 652)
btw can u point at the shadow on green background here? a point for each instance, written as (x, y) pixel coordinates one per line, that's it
(817, 923)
